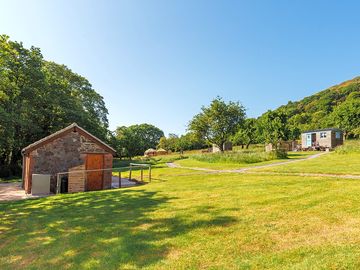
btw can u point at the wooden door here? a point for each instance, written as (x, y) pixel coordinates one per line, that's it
(94, 179)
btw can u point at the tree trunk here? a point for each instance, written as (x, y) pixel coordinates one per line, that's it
(247, 145)
(221, 147)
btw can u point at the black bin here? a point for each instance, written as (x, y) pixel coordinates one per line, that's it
(64, 184)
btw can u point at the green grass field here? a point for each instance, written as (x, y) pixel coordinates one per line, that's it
(186, 219)
(345, 160)
(190, 162)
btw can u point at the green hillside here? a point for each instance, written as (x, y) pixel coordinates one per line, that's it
(337, 106)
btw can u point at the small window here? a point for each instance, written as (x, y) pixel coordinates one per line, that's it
(338, 135)
(322, 135)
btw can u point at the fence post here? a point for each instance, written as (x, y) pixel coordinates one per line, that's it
(149, 173)
(141, 172)
(119, 179)
(57, 183)
(130, 172)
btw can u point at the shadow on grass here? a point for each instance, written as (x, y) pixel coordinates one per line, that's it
(106, 229)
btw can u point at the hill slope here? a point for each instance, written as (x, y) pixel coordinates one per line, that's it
(328, 108)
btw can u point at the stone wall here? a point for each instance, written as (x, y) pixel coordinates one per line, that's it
(62, 154)
(57, 156)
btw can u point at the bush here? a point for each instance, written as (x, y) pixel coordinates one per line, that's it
(240, 157)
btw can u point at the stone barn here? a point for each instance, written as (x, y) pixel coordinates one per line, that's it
(69, 149)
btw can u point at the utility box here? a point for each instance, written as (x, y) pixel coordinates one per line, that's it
(40, 184)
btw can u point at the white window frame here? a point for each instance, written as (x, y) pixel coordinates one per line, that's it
(323, 135)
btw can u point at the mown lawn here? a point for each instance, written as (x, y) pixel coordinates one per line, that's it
(189, 221)
(333, 163)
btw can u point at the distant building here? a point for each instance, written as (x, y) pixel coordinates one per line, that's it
(227, 147)
(322, 138)
(150, 152)
(283, 145)
(161, 152)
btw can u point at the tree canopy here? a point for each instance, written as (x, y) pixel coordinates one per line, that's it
(188, 141)
(136, 139)
(37, 98)
(274, 127)
(218, 122)
(333, 107)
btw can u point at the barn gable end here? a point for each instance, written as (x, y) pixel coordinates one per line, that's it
(63, 151)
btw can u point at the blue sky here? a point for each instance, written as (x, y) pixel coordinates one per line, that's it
(159, 61)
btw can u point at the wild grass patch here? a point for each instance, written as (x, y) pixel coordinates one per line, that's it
(352, 146)
(240, 157)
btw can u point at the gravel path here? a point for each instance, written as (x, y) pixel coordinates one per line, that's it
(13, 191)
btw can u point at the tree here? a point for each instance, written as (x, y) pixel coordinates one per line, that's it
(163, 143)
(273, 126)
(136, 139)
(347, 116)
(218, 122)
(247, 134)
(37, 98)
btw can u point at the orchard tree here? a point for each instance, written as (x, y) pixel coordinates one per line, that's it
(274, 127)
(247, 134)
(218, 122)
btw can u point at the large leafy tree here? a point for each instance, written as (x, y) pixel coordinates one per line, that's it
(347, 116)
(136, 139)
(188, 141)
(39, 97)
(274, 127)
(247, 134)
(218, 122)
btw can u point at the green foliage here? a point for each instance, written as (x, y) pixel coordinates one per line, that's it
(218, 122)
(337, 106)
(189, 141)
(37, 98)
(247, 134)
(274, 127)
(347, 116)
(240, 157)
(136, 139)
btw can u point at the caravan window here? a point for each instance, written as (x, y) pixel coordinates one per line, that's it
(322, 134)
(338, 135)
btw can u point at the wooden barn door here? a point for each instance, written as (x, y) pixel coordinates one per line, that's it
(95, 178)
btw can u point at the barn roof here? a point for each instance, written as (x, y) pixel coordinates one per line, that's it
(324, 129)
(150, 150)
(58, 134)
